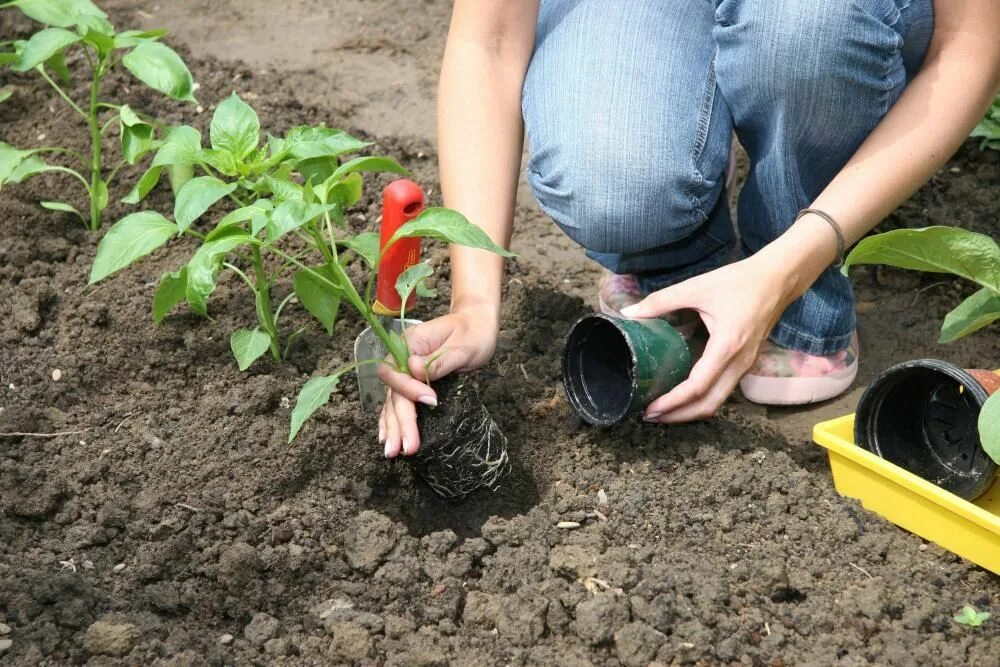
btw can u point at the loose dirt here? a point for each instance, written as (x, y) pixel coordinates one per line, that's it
(173, 525)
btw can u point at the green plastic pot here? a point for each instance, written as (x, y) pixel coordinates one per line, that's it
(614, 367)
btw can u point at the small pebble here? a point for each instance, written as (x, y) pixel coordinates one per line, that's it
(56, 374)
(4, 629)
(5, 645)
(226, 639)
(568, 525)
(602, 497)
(119, 567)
(923, 547)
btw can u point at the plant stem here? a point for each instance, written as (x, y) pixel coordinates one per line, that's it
(262, 292)
(95, 141)
(62, 93)
(347, 287)
(74, 173)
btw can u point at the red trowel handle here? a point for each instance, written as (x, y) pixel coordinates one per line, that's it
(402, 201)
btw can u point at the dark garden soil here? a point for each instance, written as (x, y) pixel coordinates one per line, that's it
(173, 525)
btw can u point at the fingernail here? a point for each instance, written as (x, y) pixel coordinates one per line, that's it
(387, 450)
(428, 400)
(652, 417)
(381, 434)
(630, 311)
(406, 447)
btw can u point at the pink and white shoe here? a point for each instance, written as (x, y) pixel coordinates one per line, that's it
(788, 377)
(619, 291)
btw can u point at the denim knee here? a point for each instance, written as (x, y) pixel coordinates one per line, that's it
(614, 201)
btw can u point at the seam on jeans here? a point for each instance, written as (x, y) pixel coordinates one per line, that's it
(841, 342)
(701, 138)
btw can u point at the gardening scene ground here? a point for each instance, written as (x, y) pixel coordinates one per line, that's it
(173, 524)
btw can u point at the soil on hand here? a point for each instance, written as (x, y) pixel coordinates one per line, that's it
(162, 519)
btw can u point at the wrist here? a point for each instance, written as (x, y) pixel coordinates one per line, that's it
(797, 258)
(484, 309)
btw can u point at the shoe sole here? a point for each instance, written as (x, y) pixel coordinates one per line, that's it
(797, 390)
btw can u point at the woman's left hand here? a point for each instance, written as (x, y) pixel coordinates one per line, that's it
(739, 303)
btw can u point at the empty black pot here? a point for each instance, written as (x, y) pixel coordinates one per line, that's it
(923, 416)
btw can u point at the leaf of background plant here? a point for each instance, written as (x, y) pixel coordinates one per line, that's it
(97, 32)
(129, 38)
(976, 312)
(130, 238)
(989, 427)
(172, 289)
(366, 244)
(291, 215)
(29, 167)
(100, 195)
(317, 297)
(5, 93)
(258, 208)
(281, 189)
(43, 45)
(314, 395)
(333, 145)
(181, 146)
(143, 186)
(966, 254)
(410, 278)
(61, 13)
(449, 226)
(235, 127)
(248, 345)
(60, 206)
(370, 164)
(197, 196)
(346, 192)
(136, 135)
(159, 67)
(57, 63)
(220, 160)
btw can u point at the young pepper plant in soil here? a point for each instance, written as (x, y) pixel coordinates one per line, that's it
(290, 194)
(81, 25)
(959, 252)
(988, 128)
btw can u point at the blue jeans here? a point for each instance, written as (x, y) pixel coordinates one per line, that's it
(630, 107)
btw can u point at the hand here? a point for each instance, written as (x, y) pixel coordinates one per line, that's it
(739, 304)
(461, 341)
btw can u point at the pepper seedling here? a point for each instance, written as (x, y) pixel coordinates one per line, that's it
(969, 616)
(81, 24)
(290, 194)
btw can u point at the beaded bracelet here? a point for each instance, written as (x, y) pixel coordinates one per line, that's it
(841, 243)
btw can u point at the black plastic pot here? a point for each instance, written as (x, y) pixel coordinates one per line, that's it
(614, 367)
(923, 416)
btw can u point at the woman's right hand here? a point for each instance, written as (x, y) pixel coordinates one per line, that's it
(460, 341)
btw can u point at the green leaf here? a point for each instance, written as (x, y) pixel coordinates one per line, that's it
(129, 38)
(971, 617)
(57, 63)
(204, 267)
(283, 190)
(412, 278)
(144, 185)
(261, 207)
(100, 195)
(29, 167)
(332, 143)
(97, 32)
(136, 135)
(248, 345)
(130, 238)
(976, 312)
(366, 244)
(159, 67)
(371, 164)
(61, 13)
(197, 196)
(346, 192)
(182, 145)
(172, 290)
(43, 45)
(989, 427)
(966, 254)
(316, 296)
(10, 159)
(314, 395)
(291, 215)
(235, 127)
(449, 226)
(61, 207)
(5, 93)
(220, 160)
(179, 175)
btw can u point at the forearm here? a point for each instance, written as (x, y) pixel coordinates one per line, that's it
(480, 138)
(923, 129)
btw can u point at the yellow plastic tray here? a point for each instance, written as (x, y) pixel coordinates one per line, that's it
(969, 529)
